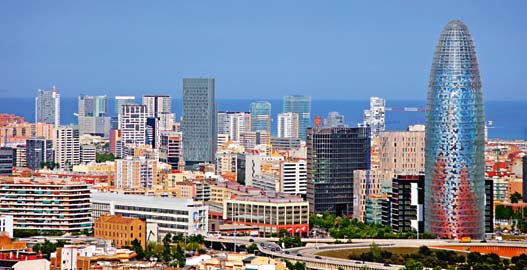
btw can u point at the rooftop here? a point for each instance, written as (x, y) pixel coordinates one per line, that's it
(136, 200)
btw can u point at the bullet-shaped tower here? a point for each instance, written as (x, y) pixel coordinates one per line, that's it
(454, 183)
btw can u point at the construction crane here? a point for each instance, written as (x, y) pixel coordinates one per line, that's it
(406, 109)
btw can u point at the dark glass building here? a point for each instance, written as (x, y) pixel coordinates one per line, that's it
(7, 160)
(454, 151)
(200, 133)
(38, 150)
(332, 156)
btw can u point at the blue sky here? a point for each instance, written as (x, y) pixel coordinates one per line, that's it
(254, 49)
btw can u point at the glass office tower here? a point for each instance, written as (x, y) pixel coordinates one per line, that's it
(332, 156)
(261, 116)
(199, 121)
(302, 106)
(454, 151)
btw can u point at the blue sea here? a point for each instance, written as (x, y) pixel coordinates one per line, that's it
(508, 117)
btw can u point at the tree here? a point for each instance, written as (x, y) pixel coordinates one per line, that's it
(473, 258)
(136, 246)
(290, 242)
(515, 197)
(413, 265)
(103, 157)
(252, 248)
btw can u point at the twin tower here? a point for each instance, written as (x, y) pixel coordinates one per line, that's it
(454, 151)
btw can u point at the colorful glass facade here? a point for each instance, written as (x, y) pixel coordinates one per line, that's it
(454, 151)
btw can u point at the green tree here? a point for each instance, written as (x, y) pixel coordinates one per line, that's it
(413, 265)
(252, 248)
(103, 157)
(136, 246)
(290, 242)
(282, 233)
(473, 258)
(515, 197)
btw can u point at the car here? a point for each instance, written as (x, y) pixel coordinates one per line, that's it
(357, 262)
(273, 249)
(269, 246)
(251, 240)
(262, 244)
(286, 252)
(387, 264)
(318, 257)
(299, 254)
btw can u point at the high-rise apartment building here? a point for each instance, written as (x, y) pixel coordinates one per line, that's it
(136, 172)
(38, 150)
(293, 177)
(171, 148)
(234, 124)
(157, 104)
(455, 183)
(332, 156)
(199, 120)
(302, 106)
(261, 116)
(45, 204)
(47, 107)
(122, 100)
(374, 117)
(288, 125)
(132, 123)
(67, 146)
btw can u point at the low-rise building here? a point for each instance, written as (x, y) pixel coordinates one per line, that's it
(121, 230)
(172, 215)
(271, 212)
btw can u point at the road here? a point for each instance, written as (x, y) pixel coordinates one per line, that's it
(308, 254)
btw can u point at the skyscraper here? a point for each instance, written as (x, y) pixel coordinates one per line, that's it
(122, 100)
(92, 117)
(47, 107)
(302, 106)
(261, 116)
(93, 105)
(454, 147)
(199, 120)
(332, 156)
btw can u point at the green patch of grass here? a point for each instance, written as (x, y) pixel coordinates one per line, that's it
(344, 253)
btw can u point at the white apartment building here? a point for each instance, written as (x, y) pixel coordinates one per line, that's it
(288, 125)
(293, 177)
(67, 146)
(132, 123)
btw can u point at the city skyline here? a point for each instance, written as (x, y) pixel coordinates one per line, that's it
(274, 52)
